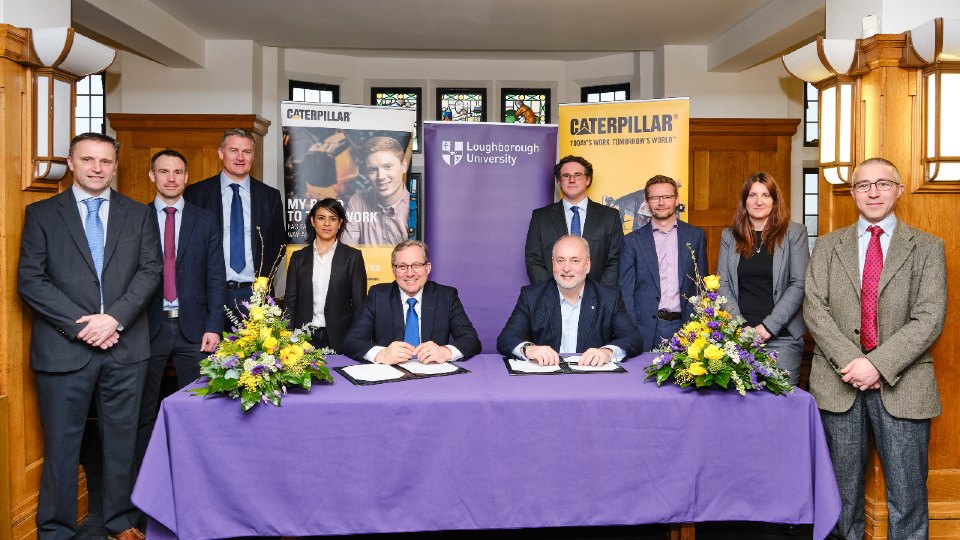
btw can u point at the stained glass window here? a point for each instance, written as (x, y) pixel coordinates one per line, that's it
(525, 105)
(88, 114)
(462, 104)
(605, 93)
(308, 92)
(407, 98)
(811, 203)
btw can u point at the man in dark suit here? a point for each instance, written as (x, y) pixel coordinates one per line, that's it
(577, 215)
(186, 311)
(411, 317)
(89, 263)
(249, 212)
(569, 314)
(656, 269)
(875, 304)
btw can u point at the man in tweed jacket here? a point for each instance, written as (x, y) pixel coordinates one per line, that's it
(889, 389)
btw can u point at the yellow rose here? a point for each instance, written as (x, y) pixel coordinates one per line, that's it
(697, 368)
(256, 313)
(713, 352)
(712, 283)
(270, 343)
(261, 284)
(693, 351)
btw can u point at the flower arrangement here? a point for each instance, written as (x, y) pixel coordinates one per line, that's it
(261, 358)
(715, 349)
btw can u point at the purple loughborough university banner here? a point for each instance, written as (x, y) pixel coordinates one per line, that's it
(481, 182)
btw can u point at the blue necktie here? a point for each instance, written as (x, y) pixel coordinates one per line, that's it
(411, 332)
(238, 258)
(575, 221)
(94, 229)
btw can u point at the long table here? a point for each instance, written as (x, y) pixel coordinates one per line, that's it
(485, 450)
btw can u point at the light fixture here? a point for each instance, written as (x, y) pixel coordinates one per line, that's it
(937, 44)
(826, 63)
(61, 57)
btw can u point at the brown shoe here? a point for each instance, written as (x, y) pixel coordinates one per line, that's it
(129, 534)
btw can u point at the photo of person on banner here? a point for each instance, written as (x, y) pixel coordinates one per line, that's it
(379, 214)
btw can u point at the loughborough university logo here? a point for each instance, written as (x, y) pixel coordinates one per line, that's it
(452, 152)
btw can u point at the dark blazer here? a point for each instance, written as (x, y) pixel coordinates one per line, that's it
(602, 229)
(604, 319)
(266, 213)
(640, 275)
(911, 307)
(790, 260)
(345, 294)
(381, 321)
(201, 281)
(57, 279)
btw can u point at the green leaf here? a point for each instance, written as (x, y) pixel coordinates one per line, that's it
(249, 399)
(723, 378)
(664, 374)
(703, 380)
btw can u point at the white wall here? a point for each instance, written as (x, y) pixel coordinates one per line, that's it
(35, 13)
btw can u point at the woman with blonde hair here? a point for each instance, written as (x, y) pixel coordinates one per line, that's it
(763, 259)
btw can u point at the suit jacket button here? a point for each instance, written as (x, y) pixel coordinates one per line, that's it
(856, 331)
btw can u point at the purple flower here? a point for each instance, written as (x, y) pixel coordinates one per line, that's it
(712, 296)
(231, 338)
(276, 393)
(716, 336)
(713, 325)
(284, 389)
(270, 300)
(257, 370)
(708, 312)
(231, 362)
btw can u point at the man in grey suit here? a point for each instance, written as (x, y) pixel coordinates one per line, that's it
(577, 215)
(875, 305)
(89, 263)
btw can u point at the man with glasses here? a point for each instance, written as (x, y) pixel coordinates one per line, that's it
(576, 215)
(569, 314)
(411, 318)
(657, 271)
(875, 303)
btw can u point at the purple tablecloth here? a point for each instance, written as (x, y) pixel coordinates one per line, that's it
(485, 450)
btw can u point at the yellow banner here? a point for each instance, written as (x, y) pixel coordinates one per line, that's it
(628, 142)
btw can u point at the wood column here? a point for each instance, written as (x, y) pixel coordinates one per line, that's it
(21, 439)
(888, 110)
(196, 136)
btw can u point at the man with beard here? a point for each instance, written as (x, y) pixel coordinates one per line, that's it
(656, 267)
(569, 314)
(379, 215)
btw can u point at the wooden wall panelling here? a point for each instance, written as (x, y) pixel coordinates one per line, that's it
(197, 136)
(723, 153)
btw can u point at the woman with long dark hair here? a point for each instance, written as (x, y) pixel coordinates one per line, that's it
(326, 280)
(763, 259)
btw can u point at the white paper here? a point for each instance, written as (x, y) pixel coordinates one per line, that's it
(529, 366)
(572, 364)
(373, 372)
(414, 366)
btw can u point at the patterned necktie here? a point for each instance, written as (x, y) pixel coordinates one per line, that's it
(411, 332)
(238, 258)
(575, 221)
(94, 230)
(872, 267)
(170, 255)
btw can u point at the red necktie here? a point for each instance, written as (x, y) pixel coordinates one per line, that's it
(170, 255)
(872, 267)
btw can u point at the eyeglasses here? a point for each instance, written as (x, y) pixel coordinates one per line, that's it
(416, 267)
(882, 185)
(666, 198)
(575, 176)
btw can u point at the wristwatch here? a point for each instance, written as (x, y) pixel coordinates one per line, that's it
(523, 350)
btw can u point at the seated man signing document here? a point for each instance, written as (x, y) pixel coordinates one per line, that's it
(569, 314)
(411, 317)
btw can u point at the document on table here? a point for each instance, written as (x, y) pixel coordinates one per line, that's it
(573, 365)
(373, 372)
(414, 366)
(529, 366)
